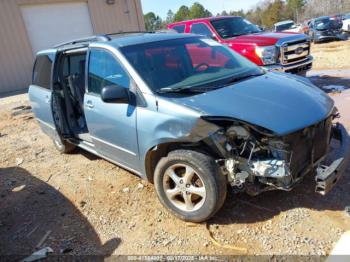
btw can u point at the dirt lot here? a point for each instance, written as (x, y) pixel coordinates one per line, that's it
(333, 55)
(81, 204)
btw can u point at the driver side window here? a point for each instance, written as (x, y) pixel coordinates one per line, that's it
(105, 70)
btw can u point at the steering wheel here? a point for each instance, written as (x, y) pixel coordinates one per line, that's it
(201, 65)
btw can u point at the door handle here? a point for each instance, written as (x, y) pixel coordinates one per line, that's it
(89, 104)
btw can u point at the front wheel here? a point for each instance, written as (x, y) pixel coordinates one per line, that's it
(190, 185)
(302, 73)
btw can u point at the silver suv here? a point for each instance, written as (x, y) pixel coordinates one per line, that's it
(187, 114)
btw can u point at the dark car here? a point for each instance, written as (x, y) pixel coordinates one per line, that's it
(324, 29)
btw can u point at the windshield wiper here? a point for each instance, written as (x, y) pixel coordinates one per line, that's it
(202, 89)
(182, 89)
(240, 78)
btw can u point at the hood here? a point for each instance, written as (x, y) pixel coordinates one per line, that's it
(278, 102)
(265, 38)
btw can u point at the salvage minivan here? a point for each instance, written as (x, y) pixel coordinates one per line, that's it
(187, 114)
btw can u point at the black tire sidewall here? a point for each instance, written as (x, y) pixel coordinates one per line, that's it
(212, 200)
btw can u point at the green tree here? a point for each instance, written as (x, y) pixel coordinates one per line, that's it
(224, 13)
(254, 16)
(152, 21)
(237, 13)
(169, 17)
(274, 13)
(294, 9)
(182, 14)
(198, 11)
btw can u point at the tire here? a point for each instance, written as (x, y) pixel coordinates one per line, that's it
(64, 147)
(203, 185)
(302, 73)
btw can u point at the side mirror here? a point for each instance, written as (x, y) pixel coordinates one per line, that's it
(115, 94)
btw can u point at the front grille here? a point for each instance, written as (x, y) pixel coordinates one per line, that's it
(308, 146)
(293, 52)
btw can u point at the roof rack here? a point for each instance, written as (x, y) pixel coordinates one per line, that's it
(102, 38)
(129, 32)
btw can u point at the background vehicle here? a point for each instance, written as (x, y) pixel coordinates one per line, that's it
(346, 23)
(287, 26)
(285, 52)
(306, 27)
(324, 28)
(188, 114)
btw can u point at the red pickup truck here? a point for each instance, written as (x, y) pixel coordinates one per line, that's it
(286, 52)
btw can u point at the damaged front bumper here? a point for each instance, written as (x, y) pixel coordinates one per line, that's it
(328, 176)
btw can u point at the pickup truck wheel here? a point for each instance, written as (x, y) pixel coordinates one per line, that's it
(190, 185)
(64, 147)
(302, 73)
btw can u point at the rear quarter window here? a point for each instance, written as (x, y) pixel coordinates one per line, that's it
(42, 71)
(179, 28)
(201, 29)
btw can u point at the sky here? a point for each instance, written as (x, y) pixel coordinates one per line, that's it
(161, 7)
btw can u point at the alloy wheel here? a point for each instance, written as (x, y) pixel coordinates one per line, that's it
(184, 187)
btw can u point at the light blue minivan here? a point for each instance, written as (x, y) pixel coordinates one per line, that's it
(187, 114)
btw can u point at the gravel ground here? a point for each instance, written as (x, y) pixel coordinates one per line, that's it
(81, 204)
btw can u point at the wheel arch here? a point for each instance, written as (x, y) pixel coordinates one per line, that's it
(155, 153)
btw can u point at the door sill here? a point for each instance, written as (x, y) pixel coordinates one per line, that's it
(85, 137)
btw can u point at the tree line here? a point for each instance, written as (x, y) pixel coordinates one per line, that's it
(154, 22)
(269, 12)
(266, 13)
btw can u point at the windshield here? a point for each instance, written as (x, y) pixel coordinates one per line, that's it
(322, 23)
(283, 27)
(234, 26)
(187, 62)
(327, 23)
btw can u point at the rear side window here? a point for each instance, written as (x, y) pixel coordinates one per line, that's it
(105, 70)
(179, 28)
(42, 71)
(201, 29)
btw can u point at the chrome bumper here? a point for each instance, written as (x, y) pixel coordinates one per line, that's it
(296, 67)
(328, 176)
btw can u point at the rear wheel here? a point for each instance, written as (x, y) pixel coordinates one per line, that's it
(63, 147)
(190, 185)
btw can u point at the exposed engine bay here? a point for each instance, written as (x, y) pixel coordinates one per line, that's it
(256, 161)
